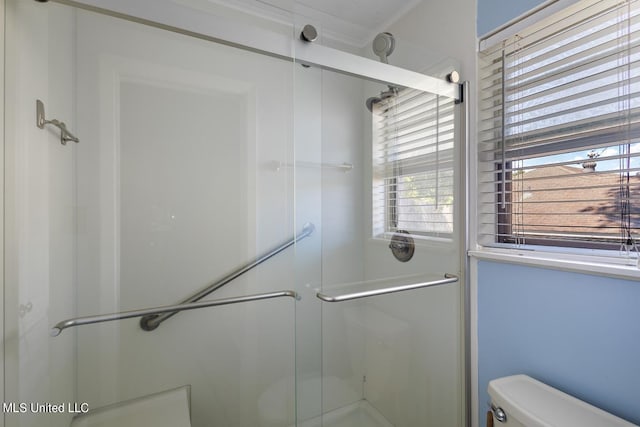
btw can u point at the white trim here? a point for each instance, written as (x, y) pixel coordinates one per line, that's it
(585, 264)
(523, 21)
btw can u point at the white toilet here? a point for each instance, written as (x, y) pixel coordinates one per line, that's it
(520, 400)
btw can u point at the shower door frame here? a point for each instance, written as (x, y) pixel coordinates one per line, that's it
(2, 186)
(253, 39)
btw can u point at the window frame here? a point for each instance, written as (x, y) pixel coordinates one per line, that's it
(503, 222)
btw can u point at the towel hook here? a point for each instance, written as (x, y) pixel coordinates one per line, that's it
(65, 135)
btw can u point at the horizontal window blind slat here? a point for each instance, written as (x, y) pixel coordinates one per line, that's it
(423, 119)
(445, 128)
(388, 111)
(581, 133)
(552, 189)
(551, 164)
(443, 143)
(559, 203)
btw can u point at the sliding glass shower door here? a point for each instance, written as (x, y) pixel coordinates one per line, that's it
(237, 239)
(379, 339)
(177, 181)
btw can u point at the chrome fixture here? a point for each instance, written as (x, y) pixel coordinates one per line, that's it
(453, 77)
(383, 46)
(499, 413)
(448, 278)
(79, 321)
(402, 246)
(392, 91)
(309, 33)
(65, 135)
(151, 321)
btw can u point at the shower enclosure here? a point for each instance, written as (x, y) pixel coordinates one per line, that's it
(197, 194)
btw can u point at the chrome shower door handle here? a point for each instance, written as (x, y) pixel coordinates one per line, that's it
(448, 278)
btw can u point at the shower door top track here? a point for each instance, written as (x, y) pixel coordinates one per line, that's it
(176, 18)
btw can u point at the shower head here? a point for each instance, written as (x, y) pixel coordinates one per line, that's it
(383, 46)
(371, 101)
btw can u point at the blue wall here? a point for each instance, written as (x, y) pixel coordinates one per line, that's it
(576, 332)
(494, 13)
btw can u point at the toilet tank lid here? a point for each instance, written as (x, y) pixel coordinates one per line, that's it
(536, 404)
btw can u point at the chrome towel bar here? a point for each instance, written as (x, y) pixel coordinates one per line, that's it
(79, 321)
(448, 278)
(152, 321)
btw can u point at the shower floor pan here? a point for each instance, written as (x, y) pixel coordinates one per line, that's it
(358, 414)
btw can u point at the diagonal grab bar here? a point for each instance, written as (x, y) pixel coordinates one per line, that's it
(79, 321)
(448, 278)
(152, 321)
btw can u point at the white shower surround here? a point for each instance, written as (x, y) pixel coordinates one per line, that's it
(376, 260)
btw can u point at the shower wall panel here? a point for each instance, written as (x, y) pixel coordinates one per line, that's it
(40, 210)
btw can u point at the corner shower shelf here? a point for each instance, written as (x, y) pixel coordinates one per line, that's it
(344, 166)
(381, 287)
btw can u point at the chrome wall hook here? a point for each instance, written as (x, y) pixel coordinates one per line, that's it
(65, 135)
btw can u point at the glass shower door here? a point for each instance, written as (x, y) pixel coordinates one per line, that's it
(392, 350)
(196, 159)
(175, 182)
(368, 172)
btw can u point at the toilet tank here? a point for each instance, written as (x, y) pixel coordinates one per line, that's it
(530, 403)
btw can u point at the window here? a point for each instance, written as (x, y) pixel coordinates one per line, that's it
(559, 130)
(413, 164)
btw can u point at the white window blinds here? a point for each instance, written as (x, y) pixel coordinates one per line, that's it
(558, 131)
(413, 185)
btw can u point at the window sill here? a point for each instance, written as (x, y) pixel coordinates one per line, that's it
(440, 243)
(566, 262)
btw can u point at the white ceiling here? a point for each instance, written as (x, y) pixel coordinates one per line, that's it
(355, 22)
(364, 13)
